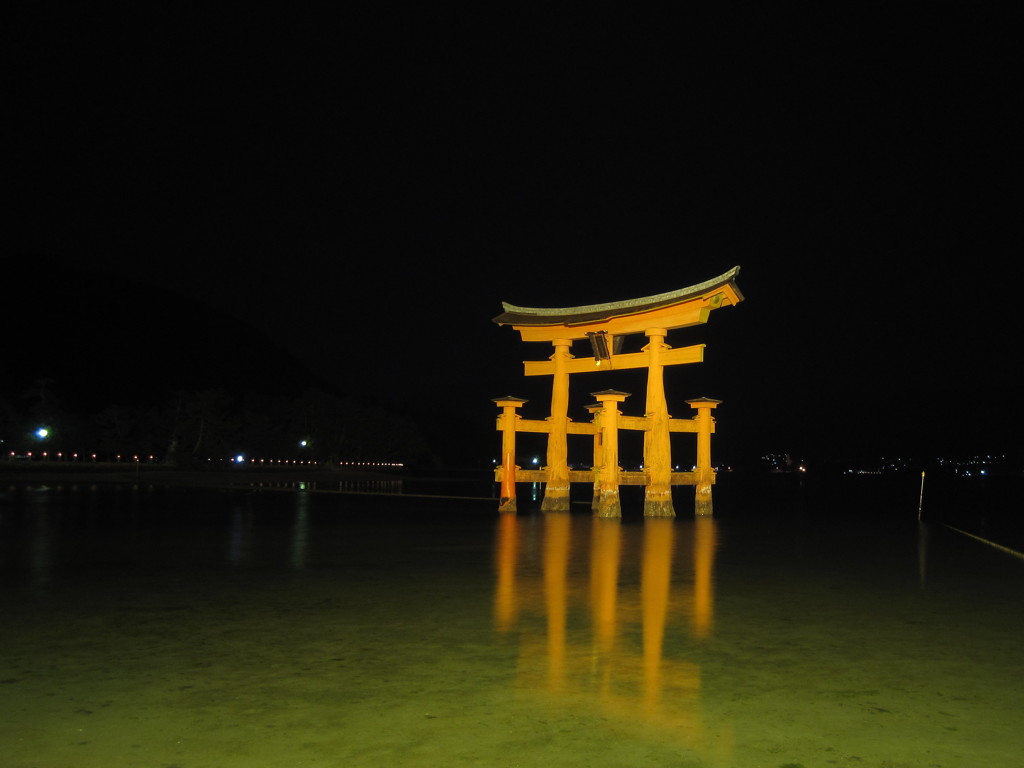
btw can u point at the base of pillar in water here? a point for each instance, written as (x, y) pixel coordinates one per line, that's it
(608, 506)
(659, 508)
(555, 500)
(702, 505)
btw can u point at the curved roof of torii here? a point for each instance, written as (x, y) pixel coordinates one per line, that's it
(592, 313)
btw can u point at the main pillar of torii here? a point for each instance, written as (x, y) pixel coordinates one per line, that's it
(604, 325)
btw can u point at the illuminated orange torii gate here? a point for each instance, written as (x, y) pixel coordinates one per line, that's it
(605, 325)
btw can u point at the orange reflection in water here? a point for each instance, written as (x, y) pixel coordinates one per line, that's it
(655, 583)
(596, 603)
(705, 542)
(556, 567)
(605, 548)
(506, 551)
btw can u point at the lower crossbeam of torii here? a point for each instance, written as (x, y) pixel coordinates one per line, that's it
(604, 325)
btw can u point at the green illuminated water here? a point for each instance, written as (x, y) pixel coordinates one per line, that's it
(149, 627)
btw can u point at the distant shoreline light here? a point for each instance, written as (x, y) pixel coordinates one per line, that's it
(240, 460)
(237, 459)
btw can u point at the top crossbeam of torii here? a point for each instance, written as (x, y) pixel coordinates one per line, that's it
(675, 309)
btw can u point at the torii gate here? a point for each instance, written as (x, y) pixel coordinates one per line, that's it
(605, 325)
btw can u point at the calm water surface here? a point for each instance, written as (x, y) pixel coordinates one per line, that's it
(157, 627)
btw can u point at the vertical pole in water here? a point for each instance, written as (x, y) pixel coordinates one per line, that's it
(657, 446)
(608, 499)
(920, 499)
(705, 474)
(595, 410)
(556, 493)
(507, 425)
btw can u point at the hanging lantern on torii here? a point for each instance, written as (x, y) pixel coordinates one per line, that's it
(605, 326)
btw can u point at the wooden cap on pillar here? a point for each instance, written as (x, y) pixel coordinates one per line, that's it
(613, 395)
(703, 402)
(508, 400)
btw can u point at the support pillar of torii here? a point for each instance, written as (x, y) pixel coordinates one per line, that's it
(657, 445)
(608, 472)
(705, 472)
(602, 324)
(556, 494)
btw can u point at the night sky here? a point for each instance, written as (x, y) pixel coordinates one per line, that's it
(348, 199)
